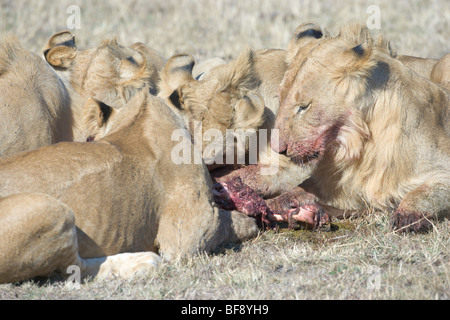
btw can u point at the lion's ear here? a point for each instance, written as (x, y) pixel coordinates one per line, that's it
(362, 52)
(131, 66)
(61, 49)
(152, 56)
(96, 115)
(240, 74)
(357, 60)
(177, 97)
(355, 57)
(249, 111)
(175, 73)
(304, 34)
(363, 49)
(134, 73)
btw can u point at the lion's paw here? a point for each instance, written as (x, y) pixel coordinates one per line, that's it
(312, 216)
(409, 221)
(127, 265)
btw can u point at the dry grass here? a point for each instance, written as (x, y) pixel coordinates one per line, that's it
(362, 259)
(287, 265)
(210, 28)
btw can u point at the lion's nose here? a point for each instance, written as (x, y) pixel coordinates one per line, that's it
(278, 145)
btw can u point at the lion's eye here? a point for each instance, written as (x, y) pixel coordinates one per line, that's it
(303, 107)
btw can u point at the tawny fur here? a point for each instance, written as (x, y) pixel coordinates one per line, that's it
(437, 70)
(241, 95)
(441, 72)
(111, 73)
(34, 103)
(120, 193)
(422, 66)
(387, 127)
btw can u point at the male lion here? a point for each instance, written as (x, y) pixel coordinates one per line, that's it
(109, 205)
(111, 73)
(34, 103)
(375, 133)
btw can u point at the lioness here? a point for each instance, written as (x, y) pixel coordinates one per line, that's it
(422, 66)
(238, 97)
(375, 133)
(111, 73)
(437, 70)
(200, 69)
(34, 103)
(87, 204)
(223, 99)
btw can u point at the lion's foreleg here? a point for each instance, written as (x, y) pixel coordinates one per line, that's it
(430, 201)
(201, 228)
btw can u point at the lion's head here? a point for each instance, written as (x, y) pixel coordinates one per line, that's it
(224, 98)
(371, 128)
(322, 96)
(110, 72)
